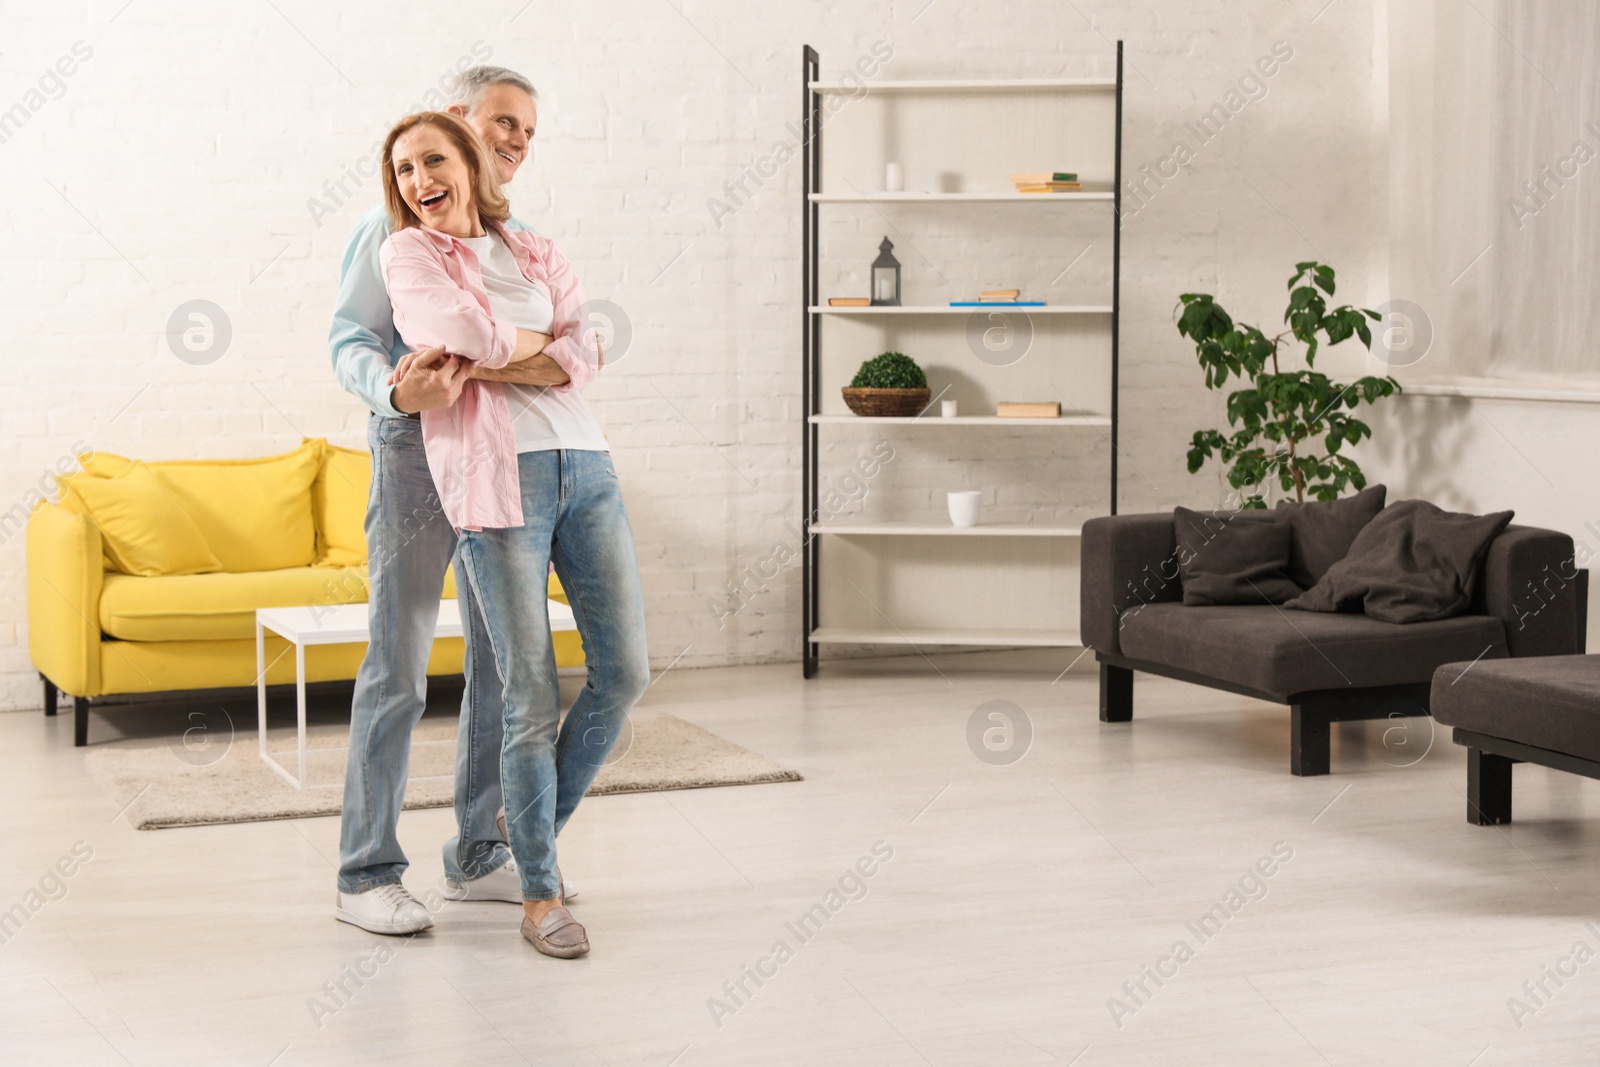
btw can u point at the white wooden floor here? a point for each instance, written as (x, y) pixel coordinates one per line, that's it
(1019, 899)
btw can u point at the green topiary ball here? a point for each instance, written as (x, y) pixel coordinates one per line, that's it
(891, 370)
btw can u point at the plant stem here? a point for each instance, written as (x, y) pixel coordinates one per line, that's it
(1283, 420)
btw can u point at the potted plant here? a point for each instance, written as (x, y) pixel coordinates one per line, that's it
(888, 384)
(1283, 410)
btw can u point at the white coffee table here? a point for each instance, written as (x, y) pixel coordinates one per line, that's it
(342, 625)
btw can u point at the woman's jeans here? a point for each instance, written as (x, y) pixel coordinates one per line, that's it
(409, 545)
(573, 517)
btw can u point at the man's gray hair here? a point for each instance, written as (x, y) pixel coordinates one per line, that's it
(473, 82)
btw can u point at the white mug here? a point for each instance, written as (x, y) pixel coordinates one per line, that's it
(964, 507)
(947, 409)
(894, 178)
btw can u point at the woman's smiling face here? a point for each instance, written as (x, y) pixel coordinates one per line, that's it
(435, 181)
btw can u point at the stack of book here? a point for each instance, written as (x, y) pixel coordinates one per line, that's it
(998, 298)
(1047, 181)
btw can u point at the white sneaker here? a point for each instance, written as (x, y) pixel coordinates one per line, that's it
(503, 883)
(385, 909)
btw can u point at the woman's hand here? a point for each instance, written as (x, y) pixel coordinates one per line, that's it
(427, 380)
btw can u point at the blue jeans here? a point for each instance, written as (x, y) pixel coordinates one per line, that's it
(574, 517)
(409, 545)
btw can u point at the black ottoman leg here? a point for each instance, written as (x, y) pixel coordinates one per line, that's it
(49, 696)
(80, 721)
(1116, 694)
(1488, 788)
(1309, 740)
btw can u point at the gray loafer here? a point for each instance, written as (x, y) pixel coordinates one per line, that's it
(557, 934)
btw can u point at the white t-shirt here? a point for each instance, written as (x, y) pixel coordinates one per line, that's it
(542, 419)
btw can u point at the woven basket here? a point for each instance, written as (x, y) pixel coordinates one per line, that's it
(896, 403)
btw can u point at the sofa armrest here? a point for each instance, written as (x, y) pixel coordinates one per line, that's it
(65, 574)
(1125, 561)
(1530, 583)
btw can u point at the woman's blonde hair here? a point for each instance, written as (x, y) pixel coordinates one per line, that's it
(491, 203)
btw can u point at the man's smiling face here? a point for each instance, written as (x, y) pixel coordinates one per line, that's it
(505, 118)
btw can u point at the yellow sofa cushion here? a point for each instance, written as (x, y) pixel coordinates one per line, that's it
(339, 503)
(219, 607)
(147, 529)
(216, 607)
(255, 514)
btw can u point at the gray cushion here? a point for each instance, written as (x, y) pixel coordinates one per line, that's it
(1222, 561)
(1285, 652)
(1413, 563)
(1324, 530)
(1550, 702)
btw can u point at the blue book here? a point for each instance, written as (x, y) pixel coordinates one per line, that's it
(997, 303)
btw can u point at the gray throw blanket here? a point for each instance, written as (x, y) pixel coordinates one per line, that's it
(1412, 563)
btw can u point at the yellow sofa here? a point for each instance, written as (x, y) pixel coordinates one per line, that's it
(144, 578)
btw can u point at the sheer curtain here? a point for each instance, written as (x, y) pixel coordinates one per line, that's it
(1494, 211)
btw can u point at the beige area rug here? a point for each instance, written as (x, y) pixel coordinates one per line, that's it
(165, 784)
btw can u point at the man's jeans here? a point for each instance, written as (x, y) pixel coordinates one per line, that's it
(409, 545)
(574, 517)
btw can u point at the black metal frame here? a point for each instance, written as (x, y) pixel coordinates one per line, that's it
(811, 336)
(1489, 758)
(1311, 713)
(1489, 761)
(81, 706)
(1116, 281)
(811, 349)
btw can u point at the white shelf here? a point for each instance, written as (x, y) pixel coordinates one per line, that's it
(945, 198)
(850, 635)
(945, 309)
(963, 85)
(962, 420)
(922, 529)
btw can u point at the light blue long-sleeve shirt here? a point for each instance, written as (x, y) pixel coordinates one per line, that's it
(364, 342)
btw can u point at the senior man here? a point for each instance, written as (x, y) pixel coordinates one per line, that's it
(410, 544)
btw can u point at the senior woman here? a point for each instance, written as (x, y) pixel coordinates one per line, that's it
(524, 473)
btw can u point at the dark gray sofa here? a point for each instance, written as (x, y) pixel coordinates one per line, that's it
(1544, 710)
(1326, 667)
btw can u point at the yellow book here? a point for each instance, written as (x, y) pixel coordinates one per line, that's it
(1031, 409)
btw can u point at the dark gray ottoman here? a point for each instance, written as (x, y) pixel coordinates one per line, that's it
(1539, 709)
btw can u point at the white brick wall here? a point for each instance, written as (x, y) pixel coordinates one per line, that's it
(179, 161)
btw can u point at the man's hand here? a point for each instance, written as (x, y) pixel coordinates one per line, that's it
(537, 370)
(427, 380)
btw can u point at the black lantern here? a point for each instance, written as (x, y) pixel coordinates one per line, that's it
(885, 277)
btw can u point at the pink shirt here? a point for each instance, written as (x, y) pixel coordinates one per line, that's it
(436, 287)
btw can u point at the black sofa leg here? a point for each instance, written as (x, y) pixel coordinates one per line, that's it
(1116, 694)
(1488, 788)
(49, 696)
(1309, 741)
(80, 721)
